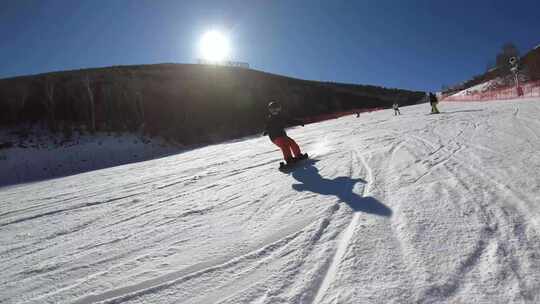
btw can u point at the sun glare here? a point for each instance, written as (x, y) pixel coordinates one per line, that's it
(214, 46)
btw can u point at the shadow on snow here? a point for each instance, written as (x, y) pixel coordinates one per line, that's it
(461, 111)
(342, 187)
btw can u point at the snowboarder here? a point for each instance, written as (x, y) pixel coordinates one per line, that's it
(275, 129)
(433, 102)
(395, 106)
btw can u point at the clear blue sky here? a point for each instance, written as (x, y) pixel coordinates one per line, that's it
(395, 43)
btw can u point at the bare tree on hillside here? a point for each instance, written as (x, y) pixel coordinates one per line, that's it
(134, 88)
(508, 51)
(108, 99)
(49, 102)
(16, 100)
(120, 101)
(88, 86)
(114, 97)
(74, 90)
(23, 92)
(140, 109)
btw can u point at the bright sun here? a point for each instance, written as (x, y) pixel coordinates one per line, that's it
(214, 46)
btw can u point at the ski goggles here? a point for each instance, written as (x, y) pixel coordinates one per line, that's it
(275, 111)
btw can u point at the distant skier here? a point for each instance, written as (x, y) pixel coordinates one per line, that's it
(433, 102)
(275, 129)
(395, 106)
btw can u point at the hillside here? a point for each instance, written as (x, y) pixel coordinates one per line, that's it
(187, 103)
(410, 209)
(529, 71)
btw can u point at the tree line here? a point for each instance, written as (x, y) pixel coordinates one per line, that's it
(182, 102)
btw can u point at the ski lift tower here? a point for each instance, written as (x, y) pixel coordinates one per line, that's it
(514, 67)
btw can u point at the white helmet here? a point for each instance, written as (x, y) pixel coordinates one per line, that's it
(274, 107)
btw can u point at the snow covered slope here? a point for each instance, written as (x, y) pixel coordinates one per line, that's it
(482, 87)
(42, 156)
(410, 209)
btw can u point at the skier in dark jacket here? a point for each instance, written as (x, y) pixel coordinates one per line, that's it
(395, 106)
(275, 129)
(433, 102)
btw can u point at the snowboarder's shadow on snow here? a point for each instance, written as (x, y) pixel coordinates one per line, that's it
(341, 187)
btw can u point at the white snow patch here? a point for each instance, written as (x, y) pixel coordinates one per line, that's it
(46, 156)
(480, 88)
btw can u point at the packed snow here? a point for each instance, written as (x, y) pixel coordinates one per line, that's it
(414, 208)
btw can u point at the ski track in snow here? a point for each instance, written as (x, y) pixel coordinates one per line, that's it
(409, 209)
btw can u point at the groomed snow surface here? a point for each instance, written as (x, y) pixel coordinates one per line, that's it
(414, 208)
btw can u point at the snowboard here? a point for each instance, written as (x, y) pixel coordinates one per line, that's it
(284, 167)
